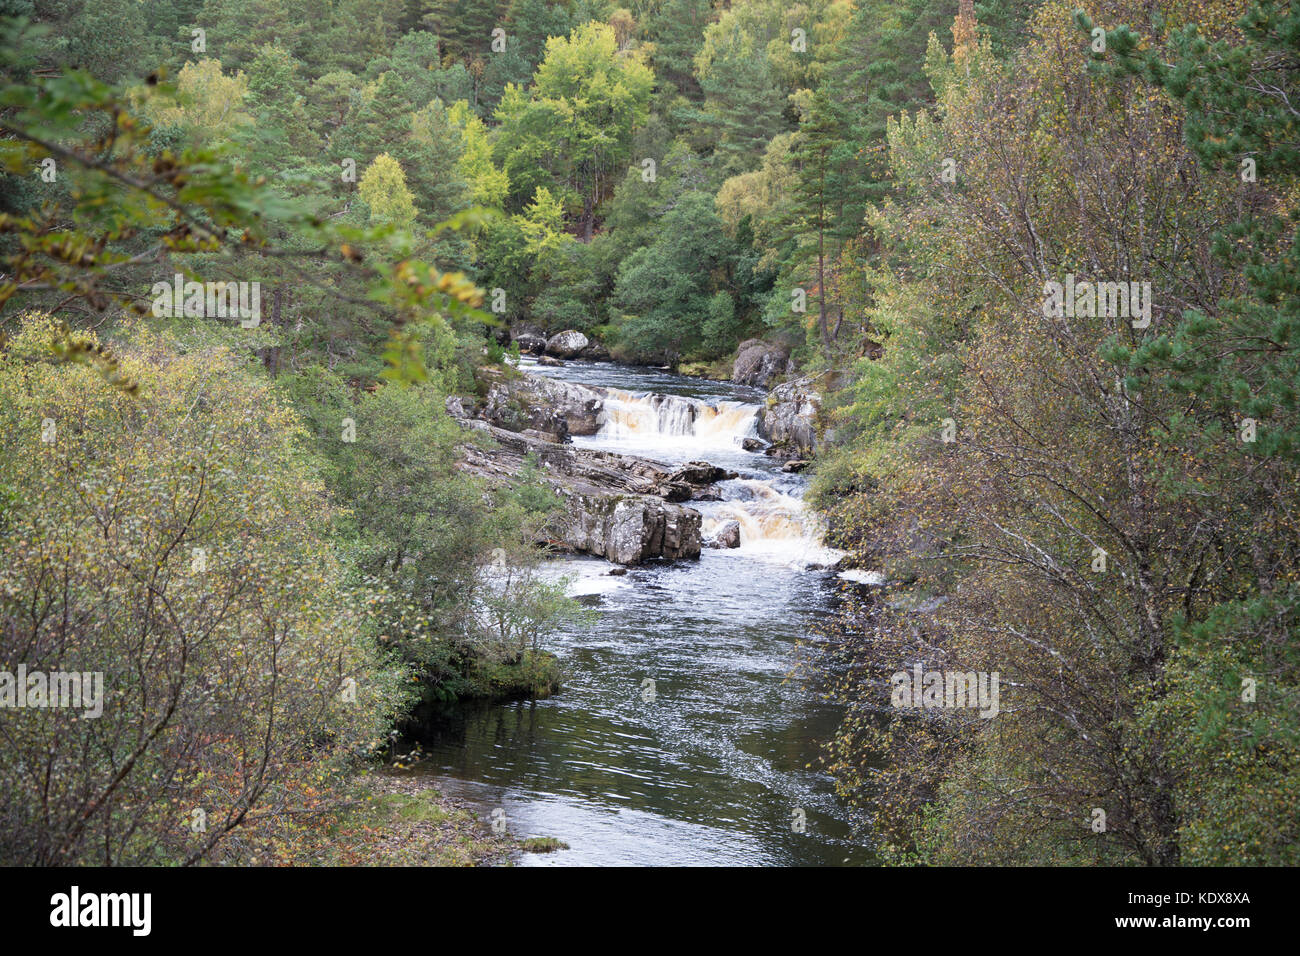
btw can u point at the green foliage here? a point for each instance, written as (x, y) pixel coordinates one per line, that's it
(573, 129)
(183, 533)
(383, 188)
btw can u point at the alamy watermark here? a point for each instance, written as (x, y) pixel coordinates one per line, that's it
(75, 908)
(210, 300)
(1109, 300)
(933, 690)
(69, 689)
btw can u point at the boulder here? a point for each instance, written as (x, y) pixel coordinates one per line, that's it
(628, 529)
(508, 408)
(595, 352)
(702, 473)
(758, 363)
(726, 535)
(566, 345)
(789, 421)
(531, 339)
(753, 444)
(579, 405)
(548, 360)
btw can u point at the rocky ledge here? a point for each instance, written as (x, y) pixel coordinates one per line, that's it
(549, 409)
(620, 507)
(789, 421)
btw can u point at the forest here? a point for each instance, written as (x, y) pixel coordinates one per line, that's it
(1028, 273)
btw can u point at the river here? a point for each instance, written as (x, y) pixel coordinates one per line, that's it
(679, 737)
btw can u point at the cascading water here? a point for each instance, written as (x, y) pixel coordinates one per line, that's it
(774, 523)
(671, 420)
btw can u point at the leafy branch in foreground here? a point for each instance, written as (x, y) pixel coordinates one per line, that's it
(117, 200)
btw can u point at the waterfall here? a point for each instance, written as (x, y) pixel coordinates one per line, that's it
(673, 419)
(773, 524)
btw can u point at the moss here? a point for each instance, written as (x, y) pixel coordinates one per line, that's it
(543, 845)
(717, 371)
(535, 675)
(413, 808)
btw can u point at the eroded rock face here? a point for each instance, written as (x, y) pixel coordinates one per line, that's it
(567, 344)
(621, 507)
(629, 529)
(503, 409)
(701, 473)
(789, 421)
(759, 363)
(579, 405)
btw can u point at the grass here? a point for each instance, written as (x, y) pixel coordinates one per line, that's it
(396, 820)
(542, 845)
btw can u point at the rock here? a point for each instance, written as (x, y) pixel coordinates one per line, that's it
(568, 344)
(578, 405)
(702, 473)
(630, 529)
(795, 465)
(753, 444)
(530, 338)
(690, 480)
(612, 504)
(548, 360)
(617, 572)
(711, 493)
(595, 352)
(789, 420)
(509, 408)
(758, 363)
(726, 535)
(673, 491)
(533, 401)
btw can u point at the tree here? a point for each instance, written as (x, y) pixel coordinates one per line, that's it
(665, 288)
(207, 105)
(574, 129)
(675, 28)
(742, 102)
(1238, 360)
(383, 187)
(173, 542)
(487, 184)
(236, 29)
(1090, 580)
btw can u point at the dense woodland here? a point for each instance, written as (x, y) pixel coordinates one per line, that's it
(1105, 514)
